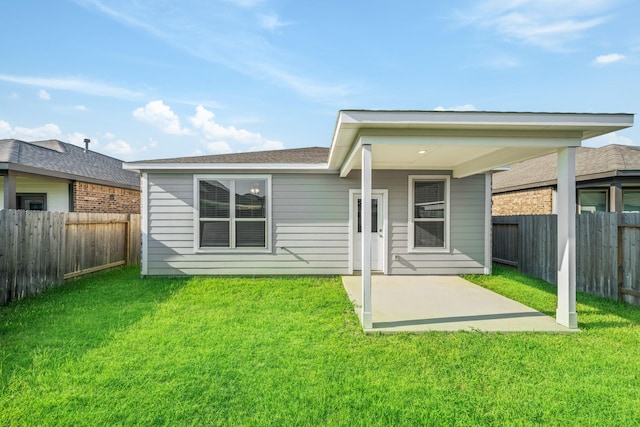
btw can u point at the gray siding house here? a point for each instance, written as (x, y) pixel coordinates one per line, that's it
(418, 183)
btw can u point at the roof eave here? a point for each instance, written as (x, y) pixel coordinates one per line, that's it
(32, 170)
(350, 123)
(275, 167)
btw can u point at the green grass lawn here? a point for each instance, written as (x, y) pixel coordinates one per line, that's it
(114, 349)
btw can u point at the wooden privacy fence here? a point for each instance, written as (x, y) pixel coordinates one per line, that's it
(39, 250)
(607, 250)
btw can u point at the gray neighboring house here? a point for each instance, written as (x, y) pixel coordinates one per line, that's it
(57, 176)
(412, 187)
(607, 180)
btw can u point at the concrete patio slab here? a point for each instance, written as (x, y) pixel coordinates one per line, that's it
(444, 303)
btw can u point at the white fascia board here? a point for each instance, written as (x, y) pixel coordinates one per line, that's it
(272, 167)
(488, 118)
(347, 165)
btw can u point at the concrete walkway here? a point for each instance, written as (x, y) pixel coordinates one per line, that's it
(444, 303)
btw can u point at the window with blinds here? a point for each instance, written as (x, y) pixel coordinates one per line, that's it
(428, 216)
(233, 212)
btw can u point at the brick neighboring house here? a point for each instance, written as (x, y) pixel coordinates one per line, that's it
(607, 179)
(57, 176)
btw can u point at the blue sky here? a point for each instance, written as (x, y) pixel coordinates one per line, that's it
(159, 78)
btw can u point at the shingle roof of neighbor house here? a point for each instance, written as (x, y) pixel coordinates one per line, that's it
(311, 155)
(591, 163)
(63, 160)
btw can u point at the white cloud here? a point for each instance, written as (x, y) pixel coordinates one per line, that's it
(14, 95)
(47, 131)
(80, 107)
(465, 107)
(219, 147)
(610, 138)
(608, 59)
(74, 85)
(272, 22)
(5, 129)
(119, 147)
(220, 137)
(159, 115)
(43, 94)
(267, 145)
(77, 138)
(44, 132)
(551, 24)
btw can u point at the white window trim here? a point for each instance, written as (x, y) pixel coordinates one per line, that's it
(196, 215)
(447, 209)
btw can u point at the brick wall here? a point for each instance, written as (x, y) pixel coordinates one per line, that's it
(526, 202)
(104, 199)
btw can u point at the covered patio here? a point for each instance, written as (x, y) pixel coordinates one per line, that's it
(461, 145)
(444, 303)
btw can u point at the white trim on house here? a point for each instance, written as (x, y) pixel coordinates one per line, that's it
(351, 159)
(411, 248)
(144, 223)
(384, 194)
(254, 167)
(232, 249)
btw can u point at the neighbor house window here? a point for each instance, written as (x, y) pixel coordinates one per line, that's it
(31, 201)
(592, 201)
(428, 213)
(631, 200)
(233, 212)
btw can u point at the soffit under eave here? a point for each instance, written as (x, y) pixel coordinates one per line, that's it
(351, 124)
(463, 159)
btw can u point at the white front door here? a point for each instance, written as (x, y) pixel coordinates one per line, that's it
(377, 231)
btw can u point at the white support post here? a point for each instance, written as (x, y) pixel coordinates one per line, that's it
(566, 312)
(488, 235)
(367, 317)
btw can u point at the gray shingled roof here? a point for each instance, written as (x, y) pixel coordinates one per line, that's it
(57, 158)
(591, 163)
(310, 155)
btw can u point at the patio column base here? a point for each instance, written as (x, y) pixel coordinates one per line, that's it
(568, 320)
(367, 320)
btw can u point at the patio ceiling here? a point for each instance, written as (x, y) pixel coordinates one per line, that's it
(465, 142)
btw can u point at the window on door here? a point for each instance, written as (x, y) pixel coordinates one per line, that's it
(428, 213)
(374, 215)
(32, 201)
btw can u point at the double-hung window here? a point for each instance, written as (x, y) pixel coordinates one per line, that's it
(428, 213)
(233, 212)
